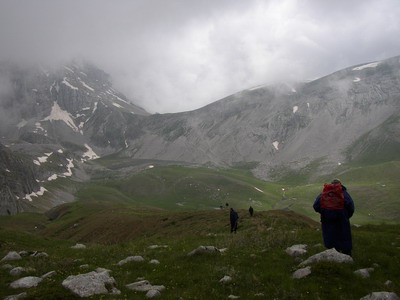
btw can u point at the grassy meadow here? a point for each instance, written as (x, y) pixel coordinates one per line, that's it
(184, 207)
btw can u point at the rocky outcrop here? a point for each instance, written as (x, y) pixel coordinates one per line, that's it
(89, 284)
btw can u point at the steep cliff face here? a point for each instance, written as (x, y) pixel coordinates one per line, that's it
(51, 122)
(17, 181)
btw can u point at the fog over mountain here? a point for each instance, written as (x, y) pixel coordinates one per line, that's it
(172, 56)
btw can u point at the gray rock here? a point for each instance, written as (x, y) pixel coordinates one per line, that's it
(100, 270)
(23, 253)
(381, 296)
(129, 259)
(203, 249)
(301, 273)
(84, 266)
(49, 274)
(233, 297)
(144, 286)
(225, 279)
(365, 273)
(153, 293)
(6, 267)
(388, 282)
(89, 284)
(78, 246)
(157, 246)
(296, 250)
(12, 255)
(17, 271)
(26, 282)
(154, 262)
(328, 255)
(39, 254)
(15, 297)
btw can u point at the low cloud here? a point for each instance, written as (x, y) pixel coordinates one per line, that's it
(171, 56)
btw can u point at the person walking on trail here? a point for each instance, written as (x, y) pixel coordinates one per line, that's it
(336, 207)
(234, 220)
(251, 211)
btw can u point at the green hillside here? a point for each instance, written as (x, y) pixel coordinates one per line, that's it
(255, 256)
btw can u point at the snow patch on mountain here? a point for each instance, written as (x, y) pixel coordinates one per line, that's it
(90, 154)
(117, 105)
(261, 191)
(276, 145)
(21, 124)
(35, 194)
(295, 108)
(58, 114)
(69, 167)
(68, 69)
(357, 79)
(65, 81)
(85, 85)
(370, 65)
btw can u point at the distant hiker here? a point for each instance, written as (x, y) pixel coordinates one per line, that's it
(226, 204)
(234, 220)
(336, 208)
(251, 211)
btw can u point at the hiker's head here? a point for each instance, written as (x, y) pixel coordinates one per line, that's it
(336, 181)
(231, 209)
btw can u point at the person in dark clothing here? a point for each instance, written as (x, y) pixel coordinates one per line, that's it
(251, 211)
(335, 223)
(234, 220)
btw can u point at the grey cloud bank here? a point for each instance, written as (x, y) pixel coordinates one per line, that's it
(176, 55)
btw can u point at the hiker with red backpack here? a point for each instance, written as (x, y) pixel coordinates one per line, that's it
(336, 208)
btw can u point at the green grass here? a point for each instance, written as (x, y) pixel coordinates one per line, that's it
(255, 258)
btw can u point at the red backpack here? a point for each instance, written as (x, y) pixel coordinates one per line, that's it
(332, 197)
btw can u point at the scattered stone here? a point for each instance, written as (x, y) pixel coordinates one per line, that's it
(144, 286)
(89, 284)
(233, 297)
(223, 250)
(155, 262)
(6, 267)
(23, 253)
(301, 273)
(100, 270)
(204, 249)
(328, 255)
(39, 254)
(115, 291)
(388, 282)
(84, 266)
(49, 274)
(153, 293)
(357, 225)
(365, 273)
(375, 265)
(253, 255)
(157, 246)
(15, 297)
(17, 271)
(129, 259)
(381, 296)
(296, 250)
(78, 246)
(259, 295)
(26, 282)
(319, 245)
(12, 255)
(226, 279)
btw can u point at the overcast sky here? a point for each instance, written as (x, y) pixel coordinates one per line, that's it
(177, 55)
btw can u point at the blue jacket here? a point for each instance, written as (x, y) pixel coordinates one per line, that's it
(336, 224)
